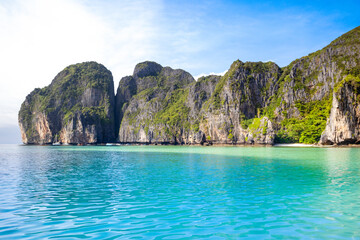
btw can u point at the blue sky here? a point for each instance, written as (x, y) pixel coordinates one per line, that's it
(38, 38)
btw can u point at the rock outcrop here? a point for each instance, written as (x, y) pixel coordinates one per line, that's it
(76, 108)
(315, 99)
(233, 112)
(301, 107)
(151, 105)
(162, 105)
(343, 125)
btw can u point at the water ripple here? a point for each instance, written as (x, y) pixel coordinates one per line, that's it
(178, 193)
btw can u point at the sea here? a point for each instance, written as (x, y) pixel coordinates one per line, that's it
(179, 192)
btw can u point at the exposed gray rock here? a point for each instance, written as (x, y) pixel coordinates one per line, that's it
(343, 125)
(253, 103)
(239, 96)
(153, 91)
(76, 108)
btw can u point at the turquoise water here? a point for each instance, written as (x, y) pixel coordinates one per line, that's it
(168, 192)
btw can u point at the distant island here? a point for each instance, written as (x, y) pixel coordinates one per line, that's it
(315, 99)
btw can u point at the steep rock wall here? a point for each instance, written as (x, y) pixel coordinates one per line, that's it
(175, 109)
(343, 125)
(156, 110)
(233, 113)
(76, 108)
(313, 99)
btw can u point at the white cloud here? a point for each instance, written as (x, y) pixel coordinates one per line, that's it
(38, 38)
(134, 27)
(207, 74)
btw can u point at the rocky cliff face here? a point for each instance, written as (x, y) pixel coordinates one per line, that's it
(257, 102)
(77, 107)
(233, 113)
(302, 104)
(343, 125)
(168, 106)
(154, 109)
(313, 99)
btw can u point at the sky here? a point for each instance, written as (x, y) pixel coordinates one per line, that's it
(39, 38)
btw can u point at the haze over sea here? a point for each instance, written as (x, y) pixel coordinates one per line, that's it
(177, 192)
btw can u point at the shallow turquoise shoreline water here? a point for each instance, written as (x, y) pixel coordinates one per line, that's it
(177, 192)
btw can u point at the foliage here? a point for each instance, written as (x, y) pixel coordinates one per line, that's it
(62, 99)
(245, 123)
(307, 128)
(175, 112)
(351, 80)
(256, 127)
(196, 126)
(255, 124)
(351, 37)
(258, 67)
(215, 99)
(231, 137)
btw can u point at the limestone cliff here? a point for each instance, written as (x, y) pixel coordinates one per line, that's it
(233, 113)
(76, 108)
(301, 106)
(151, 104)
(312, 100)
(162, 105)
(343, 125)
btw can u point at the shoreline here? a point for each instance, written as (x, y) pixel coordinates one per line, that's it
(295, 145)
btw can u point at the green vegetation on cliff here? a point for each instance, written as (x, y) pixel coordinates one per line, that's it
(353, 81)
(174, 114)
(84, 91)
(253, 99)
(308, 127)
(158, 108)
(69, 88)
(306, 86)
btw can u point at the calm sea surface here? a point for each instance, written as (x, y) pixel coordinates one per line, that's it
(175, 192)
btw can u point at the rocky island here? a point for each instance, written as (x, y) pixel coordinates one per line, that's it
(315, 99)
